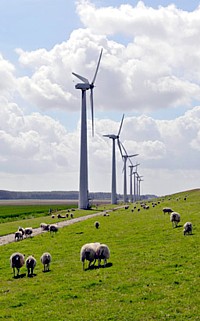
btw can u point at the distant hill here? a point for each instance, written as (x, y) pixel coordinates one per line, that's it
(58, 195)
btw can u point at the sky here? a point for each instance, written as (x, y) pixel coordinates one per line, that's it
(149, 71)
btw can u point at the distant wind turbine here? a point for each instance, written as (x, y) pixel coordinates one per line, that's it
(125, 156)
(83, 181)
(113, 183)
(131, 181)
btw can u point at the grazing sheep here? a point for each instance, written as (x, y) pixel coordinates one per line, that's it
(71, 215)
(60, 216)
(46, 260)
(30, 264)
(53, 228)
(28, 231)
(97, 224)
(67, 214)
(102, 253)
(187, 228)
(52, 216)
(126, 207)
(167, 210)
(88, 252)
(175, 219)
(44, 226)
(22, 230)
(18, 236)
(16, 262)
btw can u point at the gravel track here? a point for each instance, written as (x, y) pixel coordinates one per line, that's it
(11, 237)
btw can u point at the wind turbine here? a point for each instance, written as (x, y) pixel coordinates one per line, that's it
(83, 180)
(139, 181)
(135, 183)
(113, 183)
(131, 181)
(125, 156)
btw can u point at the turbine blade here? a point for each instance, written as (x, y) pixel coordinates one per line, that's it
(120, 127)
(119, 145)
(92, 110)
(81, 78)
(92, 83)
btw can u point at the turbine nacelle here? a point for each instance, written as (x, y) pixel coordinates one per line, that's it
(82, 86)
(112, 136)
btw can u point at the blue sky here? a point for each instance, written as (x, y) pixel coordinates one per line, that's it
(149, 71)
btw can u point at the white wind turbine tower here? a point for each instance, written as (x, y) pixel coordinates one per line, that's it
(139, 181)
(125, 156)
(135, 183)
(131, 181)
(83, 180)
(113, 183)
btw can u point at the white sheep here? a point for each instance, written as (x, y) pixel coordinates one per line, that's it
(187, 228)
(46, 260)
(28, 231)
(30, 264)
(16, 262)
(22, 230)
(167, 210)
(18, 236)
(44, 226)
(102, 253)
(53, 228)
(175, 218)
(97, 224)
(88, 252)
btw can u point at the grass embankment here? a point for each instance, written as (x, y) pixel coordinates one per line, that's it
(153, 272)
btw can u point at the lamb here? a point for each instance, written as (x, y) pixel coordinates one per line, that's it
(175, 219)
(102, 253)
(53, 228)
(46, 260)
(187, 228)
(167, 210)
(18, 236)
(30, 264)
(97, 224)
(16, 262)
(44, 226)
(88, 252)
(28, 231)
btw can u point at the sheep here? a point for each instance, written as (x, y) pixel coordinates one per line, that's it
(30, 264)
(71, 215)
(167, 210)
(88, 252)
(53, 228)
(18, 236)
(97, 224)
(102, 253)
(16, 262)
(60, 216)
(187, 228)
(28, 231)
(175, 219)
(22, 230)
(126, 207)
(44, 226)
(46, 260)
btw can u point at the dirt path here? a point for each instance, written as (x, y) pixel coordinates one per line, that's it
(11, 237)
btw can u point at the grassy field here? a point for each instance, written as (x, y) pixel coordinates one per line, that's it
(153, 272)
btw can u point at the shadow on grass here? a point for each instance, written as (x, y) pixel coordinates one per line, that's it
(46, 271)
(20, 276)
(31, 275)
(94, 267)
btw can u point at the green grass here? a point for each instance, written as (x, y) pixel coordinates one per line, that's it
(10, 213)
(153, 272)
